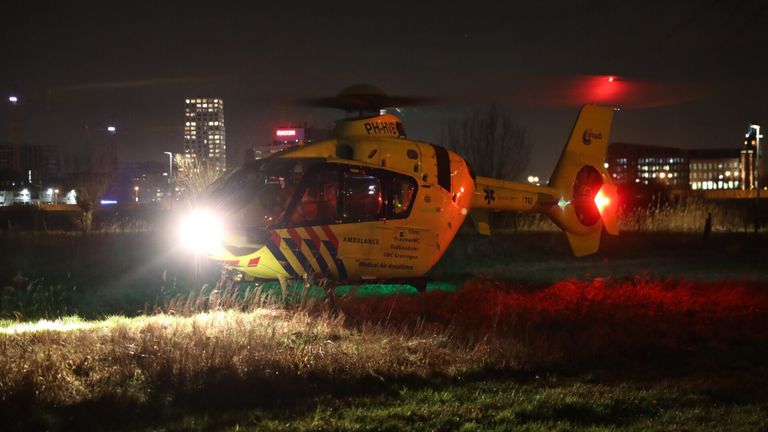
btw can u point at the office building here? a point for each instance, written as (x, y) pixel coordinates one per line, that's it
(715, 169)
(648, 165)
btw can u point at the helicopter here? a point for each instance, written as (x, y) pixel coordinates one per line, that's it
(371, 204)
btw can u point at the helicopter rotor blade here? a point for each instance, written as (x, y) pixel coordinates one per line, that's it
(364, 98)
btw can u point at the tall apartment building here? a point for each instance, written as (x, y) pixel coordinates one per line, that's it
(30, 164)
(204, 132)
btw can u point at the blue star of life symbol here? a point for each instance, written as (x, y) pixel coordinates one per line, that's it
(489, 198)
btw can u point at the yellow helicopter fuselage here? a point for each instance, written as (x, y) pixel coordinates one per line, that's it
(373, 241)
(371, 204)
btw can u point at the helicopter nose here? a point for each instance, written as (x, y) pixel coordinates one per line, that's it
(201, 231)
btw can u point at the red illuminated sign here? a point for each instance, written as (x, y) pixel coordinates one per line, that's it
(289, 134)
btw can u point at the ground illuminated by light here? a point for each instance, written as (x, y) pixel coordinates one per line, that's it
(46, 325)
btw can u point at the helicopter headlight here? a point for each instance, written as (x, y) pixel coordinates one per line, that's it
(201, 231)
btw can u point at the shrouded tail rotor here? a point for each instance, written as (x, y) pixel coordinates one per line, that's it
(586, 187)
(587, 195)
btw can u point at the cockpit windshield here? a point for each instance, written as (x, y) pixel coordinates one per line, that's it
(296, 192)
(258, 193)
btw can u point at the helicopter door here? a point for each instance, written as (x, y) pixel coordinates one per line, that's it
(361, 213)
(334, 221)
(356, 222)
(409, 243)
(378, 241)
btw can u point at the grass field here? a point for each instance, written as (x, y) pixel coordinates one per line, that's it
(574, 355)
(99, 275)
(524, 402)
(657, 332)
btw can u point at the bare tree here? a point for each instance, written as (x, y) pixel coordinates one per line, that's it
(89, 188)
(195, 175)
(491, 141)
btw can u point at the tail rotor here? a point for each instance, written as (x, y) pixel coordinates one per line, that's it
(586, 191)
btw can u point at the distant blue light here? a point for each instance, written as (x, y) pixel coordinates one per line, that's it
(108, 202)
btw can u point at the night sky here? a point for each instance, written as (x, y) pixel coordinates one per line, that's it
(689, 73)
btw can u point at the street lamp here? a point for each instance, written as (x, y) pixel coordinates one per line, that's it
(757, 156)
(13, 99)
(170, 166)
(756, 174)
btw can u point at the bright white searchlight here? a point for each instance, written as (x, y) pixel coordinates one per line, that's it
(201, 231)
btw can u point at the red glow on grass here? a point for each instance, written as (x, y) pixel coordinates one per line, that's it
(585, 318)
(481, 298)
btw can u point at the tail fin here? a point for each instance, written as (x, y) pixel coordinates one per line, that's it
(588, 199)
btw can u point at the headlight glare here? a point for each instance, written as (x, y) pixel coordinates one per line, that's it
(201, 231)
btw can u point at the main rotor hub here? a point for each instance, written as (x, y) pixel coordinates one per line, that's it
(365, 100)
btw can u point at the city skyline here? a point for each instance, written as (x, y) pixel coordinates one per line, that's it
(687, 74)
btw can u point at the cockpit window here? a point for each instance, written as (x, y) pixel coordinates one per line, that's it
(319, 200)
(336, 193)
(401, 197)
(293, 192)
(362, 197)
(261, 189)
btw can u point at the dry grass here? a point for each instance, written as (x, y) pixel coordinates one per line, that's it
(687, 215)
(488, 325)
(216, 354)
(683, 216)
(220, 349)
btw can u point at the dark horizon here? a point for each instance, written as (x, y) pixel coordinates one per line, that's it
(688, 74)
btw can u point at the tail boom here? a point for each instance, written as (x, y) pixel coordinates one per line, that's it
(580, 197)
(501, 195)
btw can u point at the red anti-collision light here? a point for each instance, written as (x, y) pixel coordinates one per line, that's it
(602, 200)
